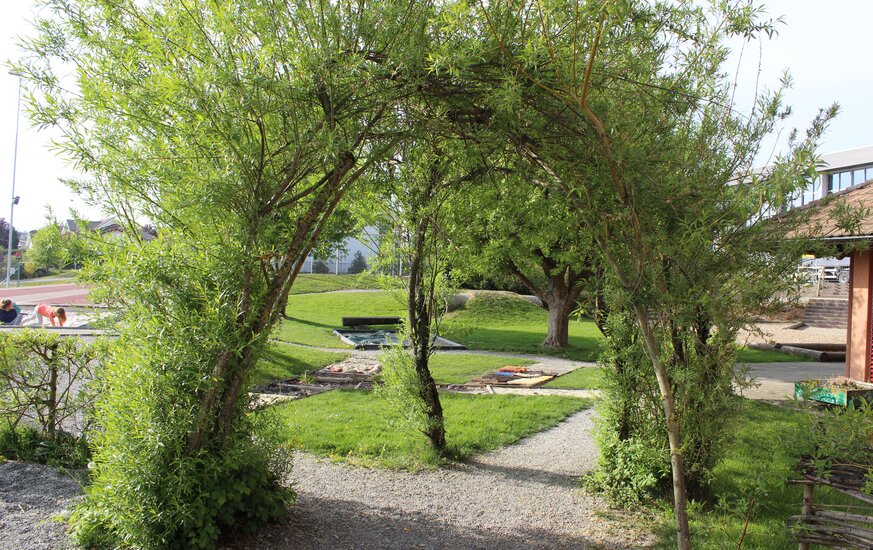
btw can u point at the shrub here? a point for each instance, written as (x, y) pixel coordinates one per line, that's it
(47, 380)
(29, 444)
(634, 465)
(29, 270)
(638, 471)
(151, 486)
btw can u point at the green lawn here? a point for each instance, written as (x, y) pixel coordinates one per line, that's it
(358, 427)
(506, 323)
(487, 322)
(585, 378)
(458, 368)
(758, 463)
(749, 355)
(315, 316)
(314, 282)
(281, 362)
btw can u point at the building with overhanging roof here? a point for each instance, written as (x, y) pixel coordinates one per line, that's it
(857, 243)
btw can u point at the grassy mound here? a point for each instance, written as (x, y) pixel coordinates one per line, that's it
(504, 322)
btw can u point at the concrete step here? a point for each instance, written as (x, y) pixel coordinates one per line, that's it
(827, 313)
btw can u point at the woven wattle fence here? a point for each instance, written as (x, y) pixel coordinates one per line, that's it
(835, 526)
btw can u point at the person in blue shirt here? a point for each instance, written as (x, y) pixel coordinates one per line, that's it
(10, 313)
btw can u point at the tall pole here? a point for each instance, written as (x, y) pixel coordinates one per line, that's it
(12, 204)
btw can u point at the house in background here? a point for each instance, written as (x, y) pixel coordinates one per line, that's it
(25, 240)
(109, 226)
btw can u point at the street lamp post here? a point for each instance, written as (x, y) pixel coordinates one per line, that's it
(14, 198)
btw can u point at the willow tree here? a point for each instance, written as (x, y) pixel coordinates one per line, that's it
(236, 128)
(624, 109)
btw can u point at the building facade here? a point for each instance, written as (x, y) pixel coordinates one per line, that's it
(840, 171)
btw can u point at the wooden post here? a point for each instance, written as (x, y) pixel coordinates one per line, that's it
(807, 509)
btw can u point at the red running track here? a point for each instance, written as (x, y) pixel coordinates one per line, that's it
(56, 295)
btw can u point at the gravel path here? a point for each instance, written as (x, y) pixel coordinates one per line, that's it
(522, 496)
(30, 496)
(519, 497)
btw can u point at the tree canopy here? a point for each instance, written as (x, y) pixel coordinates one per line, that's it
(598, 136)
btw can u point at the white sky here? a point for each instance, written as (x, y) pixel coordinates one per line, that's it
(827, 48)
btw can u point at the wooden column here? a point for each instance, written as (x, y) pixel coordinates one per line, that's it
(858, 337)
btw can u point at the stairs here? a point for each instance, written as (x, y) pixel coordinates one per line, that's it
(835, 290)
(829, 289)
(827, 312)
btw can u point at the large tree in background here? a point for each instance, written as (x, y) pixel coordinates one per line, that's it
(4, 235)
(237, 127)
(503, 225)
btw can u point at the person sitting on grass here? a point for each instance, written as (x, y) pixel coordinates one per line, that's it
(10, 313)
(45, 310)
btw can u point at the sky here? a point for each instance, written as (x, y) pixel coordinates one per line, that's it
(826, 47)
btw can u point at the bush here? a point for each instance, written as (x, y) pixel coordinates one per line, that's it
(29, 444)
(191, 503)
(634, 465)
(638, 471)
(152, 487)
(29, 270)
(47, 380)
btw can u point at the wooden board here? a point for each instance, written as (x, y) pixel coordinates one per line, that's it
(529, 382)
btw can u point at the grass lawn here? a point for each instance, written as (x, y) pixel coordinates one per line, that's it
(488, 322)
(281, 361)
(315, 316)
(585, 378)
(64, 277)
(759, 460)
(749, 355)
(505, 323)
(358, 427)
(458, 368)
(314, 282)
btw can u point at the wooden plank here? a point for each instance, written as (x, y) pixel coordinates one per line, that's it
(528, 382)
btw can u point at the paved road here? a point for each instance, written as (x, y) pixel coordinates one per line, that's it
(777, 379)
(58, 295)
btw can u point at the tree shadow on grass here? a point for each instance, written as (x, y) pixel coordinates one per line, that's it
(332, 524)
(310, 323)
(582, 348)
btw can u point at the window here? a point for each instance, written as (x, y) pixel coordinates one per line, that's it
(845, 180)
(858, 177)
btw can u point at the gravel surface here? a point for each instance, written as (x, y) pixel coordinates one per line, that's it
(773, 332)
(30, 496)
(519, 497)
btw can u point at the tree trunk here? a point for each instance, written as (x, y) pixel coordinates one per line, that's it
(558, 335)
(436, 428)
(677, 461)
(420, 313)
